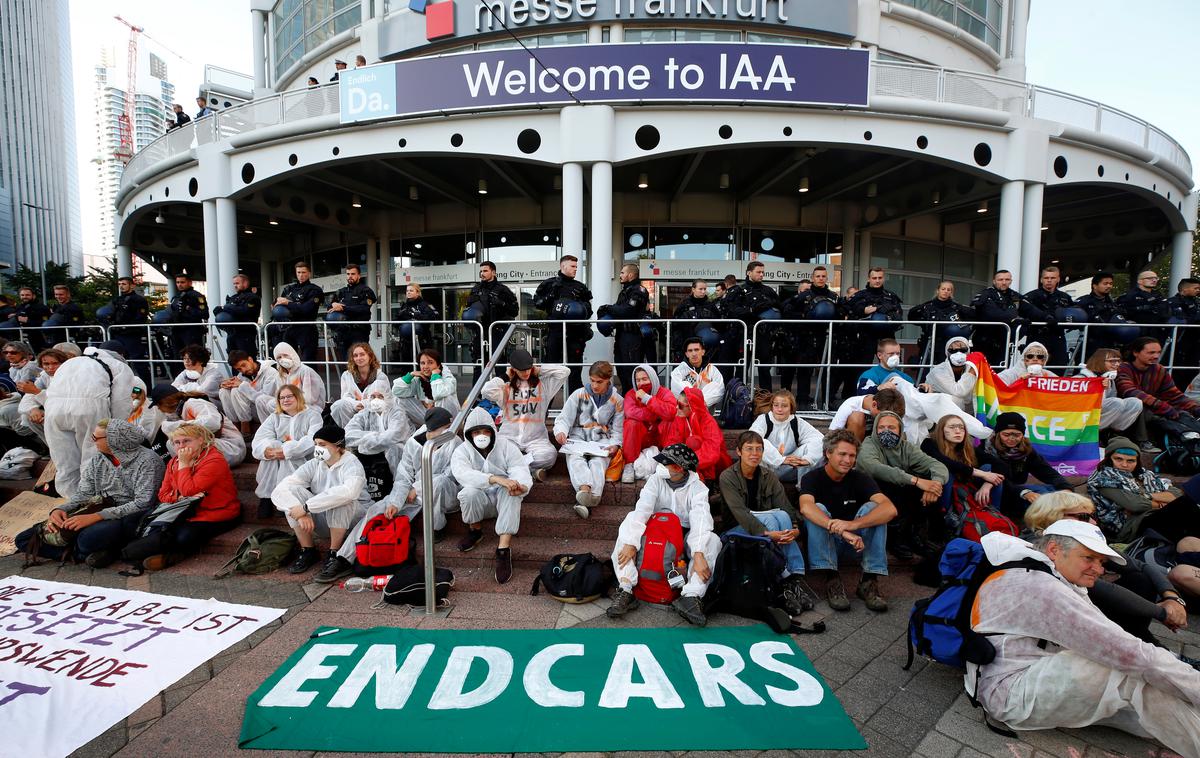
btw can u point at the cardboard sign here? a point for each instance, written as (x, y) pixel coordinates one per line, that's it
(22, 512)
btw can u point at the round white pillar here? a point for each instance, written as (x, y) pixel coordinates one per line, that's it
(227, 248)
(600, 253)
(1031, 236)
(572, 210)
(1008, 246)
(124, 260)
(258, 40)
(1181, 258)
(212, 260)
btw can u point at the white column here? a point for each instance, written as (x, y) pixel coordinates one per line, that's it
(572, 210)
(124, 260)
(1008, 246)
(266, 286)
(258, 39)
(227, 246)
(383, 231)
(1031, 236)
(1012, 65)
(171, 290)
(212, 259)
(600, 254)
(1181, 258)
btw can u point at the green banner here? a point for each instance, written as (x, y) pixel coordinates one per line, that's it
(407, 690)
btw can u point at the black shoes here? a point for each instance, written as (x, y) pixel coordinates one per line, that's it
(307, 558)
(335, 568)
(266, 509)
(691, 610)
(623, 602)
(503, 564)
(472, 538)
(798, 597)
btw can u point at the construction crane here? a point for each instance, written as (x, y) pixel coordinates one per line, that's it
(125, 121)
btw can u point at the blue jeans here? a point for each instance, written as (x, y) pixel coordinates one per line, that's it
(778, 521)
(109, 534)
(825, 549)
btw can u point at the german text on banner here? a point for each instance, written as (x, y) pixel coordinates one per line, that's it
(411, 690)
(1062, 414)
(75, 660)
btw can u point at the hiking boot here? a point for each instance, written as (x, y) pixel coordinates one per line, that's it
(623, 602)
(1149, 447)
(868, 590)
(798, 597)
(627, 475)
(100, 559)
(335, 568)
(691, 610)
(307, 558)
(835, 593)
(160, 562)
(503, 564)
(472, 538)
(266, 509)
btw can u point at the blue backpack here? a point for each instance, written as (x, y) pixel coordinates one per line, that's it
(737, 410)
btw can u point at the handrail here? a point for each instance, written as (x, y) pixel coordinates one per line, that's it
(431, 446)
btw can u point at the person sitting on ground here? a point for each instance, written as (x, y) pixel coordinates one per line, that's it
(910, 479)
(1125, 415)
(647, 404)
(431, 385)
(793, 446)
(240, 393)
(381, 427)
(755, 498)
(845, 516)
(888, 356)
(592, 415)
(494, 478)
(325, 496)
(21, 366)
(679, 490)
(32, 408)
(292, 372)
(362, 374)
(125, 472)
(524, 400)
(1011, 447)
(199, 375)
(976, 477)
(955, 376)
(694, 426)
(1032, 363)
(695, 371)
(1059, 661)
(1143, 377)
(180, 408)
(1131, 500)
(24, 373)
(282, 443)
(857, 413)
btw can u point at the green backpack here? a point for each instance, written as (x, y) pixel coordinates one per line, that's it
(262, 552)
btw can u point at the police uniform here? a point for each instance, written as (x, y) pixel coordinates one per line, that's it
(864, 343)
(244, 306)
(948, 311)
(746, 302)
(1002, 307)
(695, 309)
(553, 297)
(129, 313)
(807, 343)
(632, 302)
(35, 313)
(1052, 337)
(415, 309)
(494, 301)
(304, 300)
(63, 314)
(356, 301)
(1185, 310)
(1143, 307)
(1100, 310)
(187, 307)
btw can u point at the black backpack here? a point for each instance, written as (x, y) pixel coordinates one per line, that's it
(579, 578)
(1180, 447)
(745, 580)
(407, 585)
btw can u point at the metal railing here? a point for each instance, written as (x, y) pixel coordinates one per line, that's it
(82, 335)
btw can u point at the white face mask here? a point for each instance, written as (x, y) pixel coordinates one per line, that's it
(287, 363)
(958, 359)
(1034, 368)
(892, 361)
(481, 441)
(1109, 374)
(376, 405)
(191, 374)
(322, 453)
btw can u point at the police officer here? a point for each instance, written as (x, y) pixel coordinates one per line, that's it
(697, 307)
(562, 297)
(414, 308)
(1142, 305)
(632, 302)
(816, 302)
(351, 303)
(299, 301)
(751, 302)
(244, 306)
(873, 303)
(29, 313)
(942, 308)
(488, 302)
(1002, 305)
(1101, 309)
(1048, 298)
(188, 308)
(125, 316)
(1185, 309)
(63, 313)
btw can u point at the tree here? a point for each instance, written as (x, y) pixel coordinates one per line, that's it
(56, 273)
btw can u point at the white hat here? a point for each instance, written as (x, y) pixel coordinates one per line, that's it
(1088, 535)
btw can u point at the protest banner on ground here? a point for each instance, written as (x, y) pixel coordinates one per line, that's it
(1062, 414)
(75, 660)
(20, 513)
(480, 691)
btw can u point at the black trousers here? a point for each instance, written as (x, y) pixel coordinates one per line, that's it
(573, 354)
(1177, 519)
(628, 349)
(241, 338)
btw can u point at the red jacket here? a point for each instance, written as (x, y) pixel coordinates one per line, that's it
(699, 432)
(210, 475)
(659, 407)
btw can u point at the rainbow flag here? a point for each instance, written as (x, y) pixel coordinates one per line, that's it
(1062, 414)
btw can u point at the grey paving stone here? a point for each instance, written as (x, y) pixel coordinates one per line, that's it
(104, 745)
(1055, 742)
(937, 745)
(902, 728)
(176, 695)
(1113, 740)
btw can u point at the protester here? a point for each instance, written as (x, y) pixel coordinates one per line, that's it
(25, 373)
(856, 413)
(431, 385)
(1032, 363)
(282, 443)
(593, 415)
(888, 367)
(380, 428)
(199, 375)
(240, 393)
(524, 401)
(695, 371)
(32, 408)
(291, 371)
(362, 375)
(792, 445)
(976, 477)
(955, 376)
(1131, 500)
(1012, 448)
(694, 426)
(1144, 378)
(180, 408)
(647, 405)
(1122, 414)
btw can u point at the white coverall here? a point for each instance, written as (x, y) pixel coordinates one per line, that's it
(1116, 412)
(30, 402)
(83, 392)
(299, 375)
(209, 382)
(370, 433)
(690, 504)
(335, 496)
(523, 412)
(780, 442)
(351, 399)
(241, 403)
(961, 390)
(294, 434)
(708, 380)
(203, 413)
(1091, 672)
(924, 409)
(582, 420)
(10, 407)
(478, 499)
(412, 398)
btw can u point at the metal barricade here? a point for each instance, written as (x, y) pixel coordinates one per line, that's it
(47, 336)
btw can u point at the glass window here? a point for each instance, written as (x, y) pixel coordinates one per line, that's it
(707, 35)
(303, 25)
(563, 38)
(979, 18)
(522, 245)
(679, 243)
(649, 34)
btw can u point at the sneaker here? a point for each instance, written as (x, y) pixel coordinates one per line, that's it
(160, 562)
(100, 559)
(266, 509)
(335, 568)
(835, 594)
(691, 610)
(503, 564)
(798, 597)
(868, 590)
(583, 503)
(307, 558)
(1149, 447)
(472, 538)
(623, 602)
(627, 475)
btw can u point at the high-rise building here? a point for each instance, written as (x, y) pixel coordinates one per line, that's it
(39, 192)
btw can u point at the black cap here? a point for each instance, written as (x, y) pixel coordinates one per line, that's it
(680, 455)
(331, 432)
(437, 417)
(112, 346)
(1010, 420)
(161, 392)
(520, 359)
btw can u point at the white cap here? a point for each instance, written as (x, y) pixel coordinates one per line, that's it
(1088, 535)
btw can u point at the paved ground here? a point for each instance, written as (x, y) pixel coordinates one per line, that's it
(921, 712)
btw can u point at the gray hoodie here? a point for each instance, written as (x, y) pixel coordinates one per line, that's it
(132, 482)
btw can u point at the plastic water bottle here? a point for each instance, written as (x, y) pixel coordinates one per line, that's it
(364, 583)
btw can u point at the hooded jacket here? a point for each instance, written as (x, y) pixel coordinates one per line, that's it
(351, 392)
(659, 407)
(131, 480)
(228, 439)
(443, 387)
(779, 441)
(209, 475)
(523, 410)
(299, 375)
(338, 486)
(266, 382)
(294, 434)
(961, 389)
(209, 382)
(98, 381)
(698, 431)
(371, 433)
(408, 473)
(897, 465)
(707, 379)
(582, 420)
(472, 469)
(1019, 370)
(689, 503)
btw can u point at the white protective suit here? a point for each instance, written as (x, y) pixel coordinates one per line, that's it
(849, 405)
(708, 380)
(781, 441)
(209, 382)
(228, 439)
(299, 375)
(1091, 672)
(31, 401)
(582, 420)
(690, 504)
(478, 499)
(961, 389)
(410, 392)
(94, 386)
(351, 399)
(923, 409)
(335, 496)
(370, 433)
(292, 433)
(242, 402)
(1116, 412)
(10, 407)
(523, 412)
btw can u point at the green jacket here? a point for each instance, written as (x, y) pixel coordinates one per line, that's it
(899, 464)
(770, 496)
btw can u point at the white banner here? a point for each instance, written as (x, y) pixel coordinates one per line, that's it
(75, 660)
(521, 272)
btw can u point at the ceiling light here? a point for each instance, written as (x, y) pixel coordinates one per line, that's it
(1044, 228)
(872, 189)
(482, 186)
(643, 181)
(273, 221)
(417, 246)
(982, 207)
(413, 193)
(937, 197)
(160, 218)
(247, 230)
(803, 184)
(724, 181)
(355, 201)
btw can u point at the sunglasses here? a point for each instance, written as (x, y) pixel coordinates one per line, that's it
(1036, 357)
(1080, 516)
(958, 350)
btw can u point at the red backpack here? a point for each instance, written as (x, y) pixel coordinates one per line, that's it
(970, 520)
(660, 556)
(384, 541)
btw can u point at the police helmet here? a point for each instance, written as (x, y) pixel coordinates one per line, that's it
(605, 326)
(822, 310)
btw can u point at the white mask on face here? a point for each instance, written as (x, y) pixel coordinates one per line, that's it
(376, 404)
(321, 453)
(892, 361)
(286, 363)
(192, 374)
(481, 441)
(1035, 368)
(1109, 375)
(958, 359)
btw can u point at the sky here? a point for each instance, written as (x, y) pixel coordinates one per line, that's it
(1135, 56)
